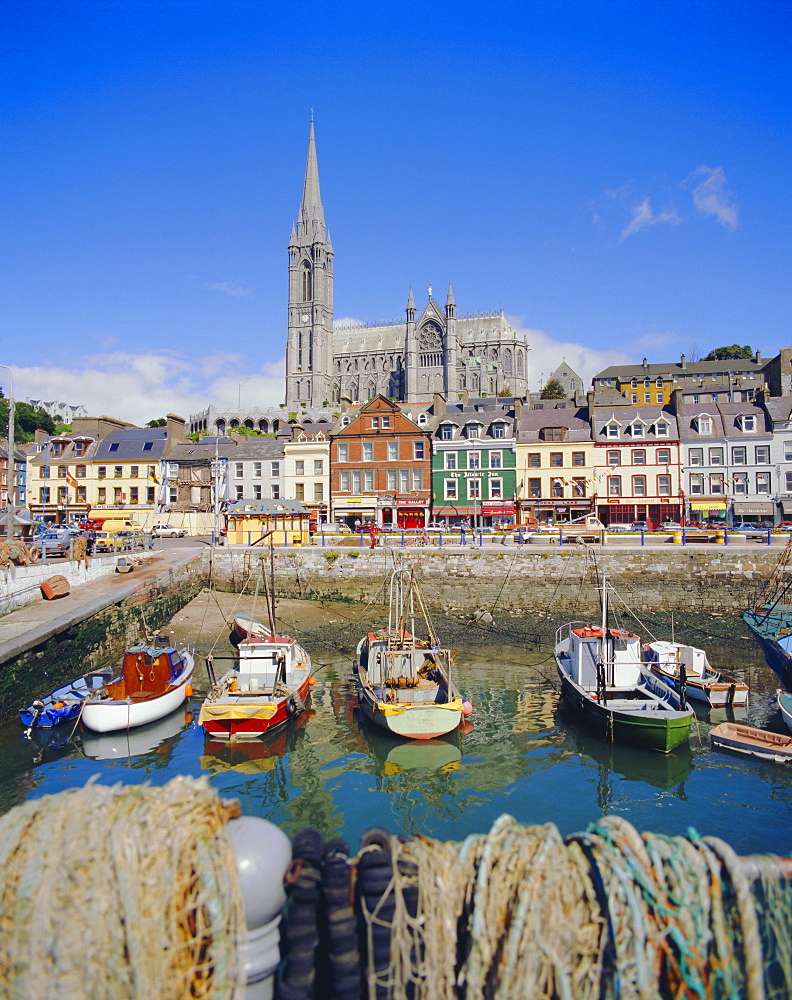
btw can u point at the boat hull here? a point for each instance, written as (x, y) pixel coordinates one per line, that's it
(107, 716)
(766, 628)
(411, 722)
(716, 694)
(229, 721)
(747, 741)
(663, 733)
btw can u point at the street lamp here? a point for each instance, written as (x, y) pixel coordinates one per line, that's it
(10, 463)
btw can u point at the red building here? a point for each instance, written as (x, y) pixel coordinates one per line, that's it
(380, 467)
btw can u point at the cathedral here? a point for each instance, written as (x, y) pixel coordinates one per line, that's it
(434, 350)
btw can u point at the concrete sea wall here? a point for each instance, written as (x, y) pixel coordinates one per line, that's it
(516, 580)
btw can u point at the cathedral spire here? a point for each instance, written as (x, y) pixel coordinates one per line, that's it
(311, 208)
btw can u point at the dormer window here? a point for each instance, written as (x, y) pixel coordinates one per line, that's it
(637, 430)
(748, 421)
(473, 430)
(612, 430)
(345, 421)
(661, 428)
(552, 433)
(422, 418)
(498, 431)
(703, 425)
(659, 383)
(446, 432)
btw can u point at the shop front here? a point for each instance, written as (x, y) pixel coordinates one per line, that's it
(355, 511)
(654, 514)
(403, 512)
(753, 512)
(703, 509)
(487, 514)
(556, 511)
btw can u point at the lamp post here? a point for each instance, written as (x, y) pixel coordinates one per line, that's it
(10, 462)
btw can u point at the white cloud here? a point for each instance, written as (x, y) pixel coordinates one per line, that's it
(711, 198)
(233, 291)
(546, 354)
(644, 217)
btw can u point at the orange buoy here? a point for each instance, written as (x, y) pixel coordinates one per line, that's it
(188, 690)
(311, 681)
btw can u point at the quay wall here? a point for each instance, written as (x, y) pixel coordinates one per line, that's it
(512, 579)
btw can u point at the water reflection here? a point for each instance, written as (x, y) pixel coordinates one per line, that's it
(128, 743)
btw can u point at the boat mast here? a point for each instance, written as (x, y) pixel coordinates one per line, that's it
(604, 640)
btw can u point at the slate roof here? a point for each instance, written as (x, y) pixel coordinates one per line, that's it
(648, 415)
(146, 444)
(575, 419)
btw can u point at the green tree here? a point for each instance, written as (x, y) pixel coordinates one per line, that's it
(552, 390)
(27, 420)
(733, 351)
(159, 422)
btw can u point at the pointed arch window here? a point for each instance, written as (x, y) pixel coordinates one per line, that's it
(307, 282)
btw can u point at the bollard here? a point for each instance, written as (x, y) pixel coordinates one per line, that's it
(360, 534)
(676, 537)
(769, 539)
(402, 536)
(643, 537)
(323, 538)
(440, 539)
(263, 854)
(602, 539)
(481, 539)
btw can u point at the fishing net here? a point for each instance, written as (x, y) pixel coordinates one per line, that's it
(120, 893)
(519, 912)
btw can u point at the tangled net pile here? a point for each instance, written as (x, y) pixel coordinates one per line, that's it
(120, 892)
(520, 913)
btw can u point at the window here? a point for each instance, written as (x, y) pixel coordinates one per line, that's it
(318, 491)
(614, 486)
(664, 486)
(275, 492)
(368, 480)
(404, 481)
(579, 487)
(659, 398)
(63, 471)
(150, 491)
(716, 456)
(638, 457)
(446, 432)
(343, 480)
(696, 456)
(343, 453)
(79, 472)
(739, 456)
(44, 494)
(391, 480)
(474, 489)
(762, 454)
(133, 494)
(696, 399)
(578, 458)
(704, 425)
(113, 447)
(788, 479)
(749, 422)
(788, 451)
(556, 487)
(345, 421)
(714, 397)
(375, 423)
(79, 447)
(239, 470)
(661, 429)
(257, 491)
(637, 430)
(496, 489)
(474, 460)
(612, 430)
(556, 459)
(257, 469)
(647, 397)
(148, 445)
(552, 433)
(116, 494)
(498, 431)
(422, 419)
(118, 471)
(534, 488)
(393, 451)
(133, 471)
(299, 467)
(45, 471)
(417, 479)
(696, 484)
(385, 418)
(450, 489)
(356, 481)
(716, 484)
(534, 460)
(663, 456)
(473, 430)
(275, 469)
(63, 494)
(496, 459)
(450, 460)
(418, 450)
(639, 486)
(318, 467)
(239, 490)
(368, 451)
(634, 397)
(762, 482)
(740, 482)
(299, 491)
(614, 458)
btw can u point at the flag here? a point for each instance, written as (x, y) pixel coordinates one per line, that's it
(559, 482)
(71, 480)
(152, 477)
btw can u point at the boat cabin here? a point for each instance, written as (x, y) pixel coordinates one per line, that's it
(263, 661)
(671, 655)
(146, 670)
(395, 660)
(621, 656)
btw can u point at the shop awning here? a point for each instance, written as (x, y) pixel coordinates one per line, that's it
(708, 505)
(752, 508)
(786, 506)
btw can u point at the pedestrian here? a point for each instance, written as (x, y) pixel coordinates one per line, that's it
(357, 524)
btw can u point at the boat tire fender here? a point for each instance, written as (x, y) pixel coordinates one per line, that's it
(294, 704)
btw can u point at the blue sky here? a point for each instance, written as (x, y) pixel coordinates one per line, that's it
(615, 175)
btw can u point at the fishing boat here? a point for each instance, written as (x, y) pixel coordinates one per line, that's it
(64, 703)
(770, 619)
(155, 680)
(750, 742)
(687, 668)
(785, 706)
(608, 686)
(404, 683)
(267, 686)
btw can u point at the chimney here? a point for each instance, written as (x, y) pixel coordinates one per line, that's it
(758, 356)
(645, 363)
(175, 429)
(683, 364)
(438, 404)
(518, 408)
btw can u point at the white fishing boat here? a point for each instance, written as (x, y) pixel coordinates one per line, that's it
(687, 667)
(404, 683)
(606, 683)
(155, 680)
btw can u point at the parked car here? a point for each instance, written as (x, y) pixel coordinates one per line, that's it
(751, 529)
(695, 525)
(168, 531)
(335, 528)
(670, 526)
(785, 526)
(53, 543)
(639, 526)
(112, 541)
(619, 527)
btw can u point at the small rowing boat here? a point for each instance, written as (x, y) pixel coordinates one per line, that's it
(750, 742)
(63, 704)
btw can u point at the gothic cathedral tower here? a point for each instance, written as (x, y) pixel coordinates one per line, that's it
(309, 348)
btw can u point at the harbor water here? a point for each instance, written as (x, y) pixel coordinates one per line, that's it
(522, 755)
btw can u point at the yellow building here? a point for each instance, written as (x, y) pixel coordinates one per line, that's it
(307, 472)
(257, 522)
